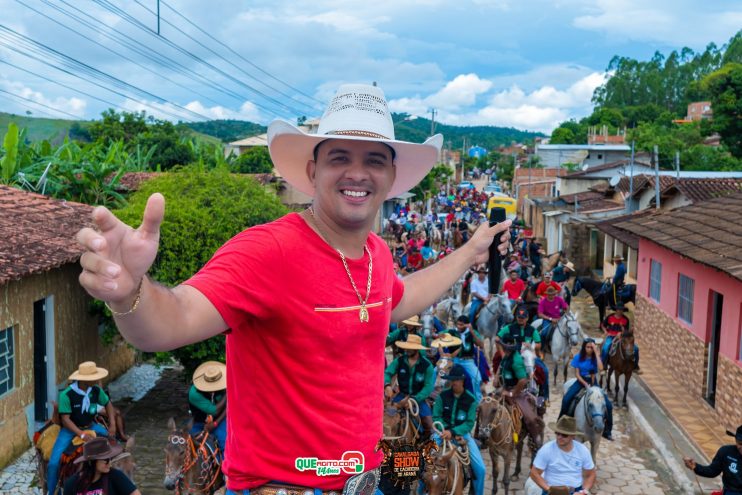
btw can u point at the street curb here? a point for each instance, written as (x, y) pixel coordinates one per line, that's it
(698, 450)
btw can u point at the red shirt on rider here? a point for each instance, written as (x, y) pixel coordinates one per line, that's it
(615, 323)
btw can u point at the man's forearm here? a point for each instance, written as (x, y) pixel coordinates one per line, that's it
(168, 318)
(425, 287)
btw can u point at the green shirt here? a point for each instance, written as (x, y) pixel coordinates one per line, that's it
(423, 382)
(70, 402)
(512, 369)
(467, 343)
(520, 334)
(463, 418)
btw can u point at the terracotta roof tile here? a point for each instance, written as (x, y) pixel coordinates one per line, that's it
(703, 189)
(37, 233)
(689, 231)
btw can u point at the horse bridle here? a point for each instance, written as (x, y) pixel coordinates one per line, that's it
(179, 473)
(589, 417)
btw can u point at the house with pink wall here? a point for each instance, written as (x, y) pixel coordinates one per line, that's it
(688, 312)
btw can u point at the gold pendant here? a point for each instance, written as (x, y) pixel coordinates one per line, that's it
(363, 314)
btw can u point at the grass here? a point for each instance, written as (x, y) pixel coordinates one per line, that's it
(39, 129)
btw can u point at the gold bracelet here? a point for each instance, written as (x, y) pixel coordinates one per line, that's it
(134, 305)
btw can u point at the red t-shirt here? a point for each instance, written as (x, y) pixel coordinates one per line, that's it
(305, 375)
(514, 289)
(614, 324)
(415, 260)
(541, 289)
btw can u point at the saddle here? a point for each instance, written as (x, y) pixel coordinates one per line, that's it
(573, 404)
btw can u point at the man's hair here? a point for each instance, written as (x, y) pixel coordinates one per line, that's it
(315, 151)
(463, 319)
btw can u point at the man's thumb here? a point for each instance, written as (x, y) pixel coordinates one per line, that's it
(154, 212)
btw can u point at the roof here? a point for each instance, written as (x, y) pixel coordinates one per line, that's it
(688, 232)
(695, 189)
(628, 238)
(37, 233)
(605, 166)
(259, 140)
(591, 147)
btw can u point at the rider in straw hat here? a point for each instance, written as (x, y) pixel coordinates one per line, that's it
(320, 272)
(78, 405)
(563, 465)
(207, 397)
(96, 474)
(415, 377)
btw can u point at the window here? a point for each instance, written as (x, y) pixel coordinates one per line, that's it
(600, 156)
(655, 280)
(685, 298)
(7, 361)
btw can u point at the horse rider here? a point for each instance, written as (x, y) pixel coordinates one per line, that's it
(480, 293)
(261, 289)
(415, 377)
(550, 310)
(514, 287)
(613, 325)
(564, 466)
(78, 405)
(96, 476)
(546, 283)
(207, 397)
(587, 365)
(515, 381)
(619, 276)
(561, 272)
(456, 409)
(534, 254)
(470, 341)
(727, 462)
(521, 332)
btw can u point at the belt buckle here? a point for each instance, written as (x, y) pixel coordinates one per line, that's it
(362, 484)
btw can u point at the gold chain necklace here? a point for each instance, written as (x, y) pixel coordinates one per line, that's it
(363, 313)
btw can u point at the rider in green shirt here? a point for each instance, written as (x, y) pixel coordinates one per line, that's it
(522, 332)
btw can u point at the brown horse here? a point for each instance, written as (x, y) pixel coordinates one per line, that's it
(401, 422)
(445, 475)
(621, 362)
(192, 467)
(458, 239)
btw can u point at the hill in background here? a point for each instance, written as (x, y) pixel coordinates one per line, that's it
(227, 130)
(53, 130)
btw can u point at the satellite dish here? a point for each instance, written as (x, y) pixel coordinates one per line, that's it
(585, 166)
(614, 181)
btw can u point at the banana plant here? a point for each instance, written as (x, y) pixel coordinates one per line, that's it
(9, 163)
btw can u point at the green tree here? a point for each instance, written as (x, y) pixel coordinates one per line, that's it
(255, 160)
(115, 126)
(431, 183)
(562, 135)
(203, 211)
(725, 88)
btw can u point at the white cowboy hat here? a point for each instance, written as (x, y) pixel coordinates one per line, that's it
(358, 112)
(210, 376)
(570, 266)
(88, 372)
(446, 340)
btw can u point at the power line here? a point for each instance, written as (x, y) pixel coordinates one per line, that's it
(77, 65)
(132, 20)
(77, 117)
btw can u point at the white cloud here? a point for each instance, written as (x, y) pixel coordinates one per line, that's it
(462, 91)
(168, 111)
(58, 106)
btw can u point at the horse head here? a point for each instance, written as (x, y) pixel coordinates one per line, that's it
(125, 461)
(426, 319)
(392, 419)
(595, 409)
(627, 343)
(486, 411)
(573, 328)
(529, 358)
(176, 451)
(435, 476)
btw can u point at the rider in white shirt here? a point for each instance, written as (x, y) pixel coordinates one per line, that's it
(480, 292)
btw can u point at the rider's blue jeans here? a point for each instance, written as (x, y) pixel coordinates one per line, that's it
(220, 432)
(473, 371)
(475, 303)
(544, 492)
(572, 392)
(607, 347)
(544, 330)
(424, 407)
(60, 445)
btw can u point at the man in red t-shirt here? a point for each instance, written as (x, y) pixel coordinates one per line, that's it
(319, 281)
(545, 284)
(614, 325)
(514, 287)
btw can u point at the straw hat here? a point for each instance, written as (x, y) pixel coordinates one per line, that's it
(77, 441)
(98, 448)
(413, 342)
(618, 257)
(210, 376)
(569, 266)
(413, 321)
(566, 426)
(446, 340)
(88, 372)
(551, 290)
(358, 112)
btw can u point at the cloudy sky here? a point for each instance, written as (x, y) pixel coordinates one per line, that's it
(528, 64)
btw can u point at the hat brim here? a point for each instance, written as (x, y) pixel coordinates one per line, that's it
(100, 373)
(411, 346)
(412, 323)
(556, 429)
(113, 452)
(201, 384)
(291, 148)
(77, 441)
(438, 343)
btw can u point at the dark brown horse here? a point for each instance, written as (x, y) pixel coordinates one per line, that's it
(621, 361)
(191, 465)
(495, 428)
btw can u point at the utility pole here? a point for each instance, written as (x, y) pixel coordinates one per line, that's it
(463, 153)
(433, 111)
(629, 209)
(158, 17)
(677, 166)
(656, 178)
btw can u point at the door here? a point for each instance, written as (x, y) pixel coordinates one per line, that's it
(39, 361)
(716, 305)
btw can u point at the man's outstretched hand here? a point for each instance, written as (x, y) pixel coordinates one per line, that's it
(116, 256)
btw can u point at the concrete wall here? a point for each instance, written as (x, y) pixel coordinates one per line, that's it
(576, 245)
(573, 186)
(76, 339)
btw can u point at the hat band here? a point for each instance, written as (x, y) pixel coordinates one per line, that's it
(358, 133)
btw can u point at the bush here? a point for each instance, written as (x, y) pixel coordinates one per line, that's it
(203, 210)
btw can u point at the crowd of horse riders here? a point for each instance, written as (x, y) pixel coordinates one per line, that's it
(435, 387)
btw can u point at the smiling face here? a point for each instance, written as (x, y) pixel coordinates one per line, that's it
(351, 180)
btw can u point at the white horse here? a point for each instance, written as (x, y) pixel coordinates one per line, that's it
(499, 306)
(590, 415)
(529, 361)
(448, 310)
(567, 334)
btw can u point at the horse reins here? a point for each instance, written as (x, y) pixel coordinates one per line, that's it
(206, 482)
(461, 452)
(414, 408)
